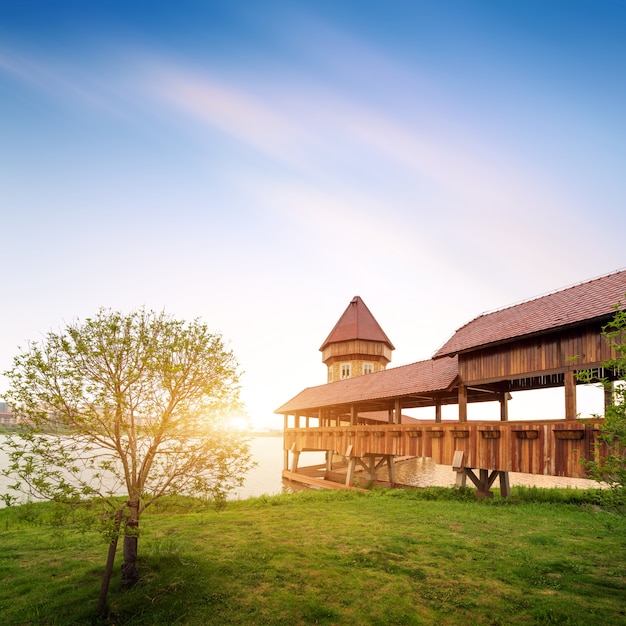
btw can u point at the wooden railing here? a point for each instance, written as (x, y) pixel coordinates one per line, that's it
(549, 447)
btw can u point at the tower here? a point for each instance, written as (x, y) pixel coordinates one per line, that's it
(356, 345)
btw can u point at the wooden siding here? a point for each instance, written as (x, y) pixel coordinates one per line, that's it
(576, 348)
(356, 348)
(549, 447)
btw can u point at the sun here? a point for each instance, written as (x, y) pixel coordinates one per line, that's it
(238, 422)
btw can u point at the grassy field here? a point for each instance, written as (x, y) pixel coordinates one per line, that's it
(388, 557)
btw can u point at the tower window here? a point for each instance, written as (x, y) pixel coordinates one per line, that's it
(345, 370)
(368, 368)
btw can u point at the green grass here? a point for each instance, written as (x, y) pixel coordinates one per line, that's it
(432, 556)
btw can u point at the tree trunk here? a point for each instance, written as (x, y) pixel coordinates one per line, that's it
(130, 575)
(108, 570)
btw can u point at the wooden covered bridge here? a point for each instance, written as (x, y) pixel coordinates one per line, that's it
(543, 343)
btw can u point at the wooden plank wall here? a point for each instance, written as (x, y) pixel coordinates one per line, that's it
(357, 347)
(549, 447)
(575, 348)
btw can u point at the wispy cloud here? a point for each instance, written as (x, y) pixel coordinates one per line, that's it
(317, 130)
(327, 140)
(230, 110)
(62, 82)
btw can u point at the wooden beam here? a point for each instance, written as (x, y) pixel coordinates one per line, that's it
(462, 403)
(350, 472)
(294, 461)
(438, 411)
(484, 481)
(392, 469)
(470, 474)
(370, 470)
(322, 484)
(504, 407)
(457, 461)
(505, 486)
(491, 477)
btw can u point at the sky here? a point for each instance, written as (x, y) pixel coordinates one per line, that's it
(258, 164)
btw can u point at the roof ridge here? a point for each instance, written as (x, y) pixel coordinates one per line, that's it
(580, 301)
(546, 294)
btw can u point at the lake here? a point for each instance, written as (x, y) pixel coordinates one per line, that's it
(266, 477)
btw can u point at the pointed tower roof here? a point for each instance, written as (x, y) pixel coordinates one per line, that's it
(357, 323)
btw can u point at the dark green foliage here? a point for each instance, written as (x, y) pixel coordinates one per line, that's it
(611, 467)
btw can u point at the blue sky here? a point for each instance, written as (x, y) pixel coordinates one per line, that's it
(258, 164)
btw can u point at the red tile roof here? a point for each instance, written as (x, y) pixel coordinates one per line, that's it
(423, 377)
(578, 304)
(357, 323)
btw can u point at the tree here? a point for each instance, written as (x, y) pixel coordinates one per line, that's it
(610, 466)
(126, 404)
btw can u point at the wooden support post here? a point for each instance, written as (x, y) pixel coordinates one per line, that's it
(392, 469)
(438, 411)
(352, 415)
(329, 460)
(491, 478)
(482, 482)
(306, 421)
(461, 479)
(504, 407)
(505, 487)
(570, 395)
(350, 472)
(484, 479)
(457, 466)
(296, 421)
(398, 412)
(457, 460)
(294, 460)
(462, 403)
(285, 421)
(390, 416)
